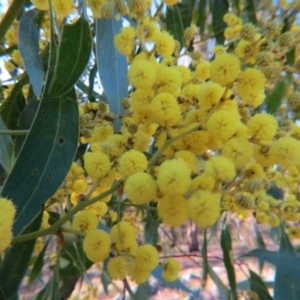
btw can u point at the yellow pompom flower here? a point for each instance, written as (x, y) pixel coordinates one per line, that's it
(99, 208)
(141, 141)
(254, 170)
(222, 125)
(168, 79)
(203, 182)
(138, 274)
(140, 188)
(173, 177)
(11, 35)
(62, 7)
(220, 168)
(202, 71)
(204, 208)
(225, 68)
(101, 133)
(146, 257)
(165, 109)
(7, 214)
(143, 114)
(171, 2)
(124, 41)
(185, 73)
(196, 142)
(9, 66)
(238, 150)
(255, 99)
(171, 267)
(173, 210)
(85, 221)
(80, 186)
(147, 29)
(132, 162)
(142, 74)
(96, 245)
(97, 164)
(251, 81)
(17, 57)
(164, 44)
(210, 94)
(264, 156)
(96, 6)
(189, 157)
(117, 268)
(123, 235)
(286, 151)
(40, 4)
(262, 126)
(5, 238)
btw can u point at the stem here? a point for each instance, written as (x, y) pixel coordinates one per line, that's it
(57, 225)
(10, 15)
(14, 132)
(70, 230)
(128, 288)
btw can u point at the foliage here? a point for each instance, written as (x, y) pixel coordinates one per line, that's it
(123, 120)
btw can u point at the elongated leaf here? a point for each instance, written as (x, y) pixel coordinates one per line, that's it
(223, 290)
(16, 262)
(275, 97)
(143, 292)
(250, 9)
(219, 9)
(258, 286)
(227, 258)
(151, 226)
(112, 65)
(204, 259)
(38, 265)
(45, 157)
(28, 42)
(260, 244)
(202, 16)
(105, 278)
(73, 55)
(6, 148)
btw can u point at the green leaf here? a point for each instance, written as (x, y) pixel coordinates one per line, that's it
(223, 290)
(219, 9)
(6, 149)
(202, 16)
(143, 292)
(228, 260)
(151, 225)
(250, 10)
(14, 266)
(73, 55)
(38, 265)
(105, 278)
(28, 43)
(45, 157)
(178, 17)
(260, 244)
(274, 99)
(259, 287)
(112, 66)
(204, 259)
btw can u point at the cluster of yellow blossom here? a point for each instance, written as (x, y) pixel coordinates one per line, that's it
(7, 215)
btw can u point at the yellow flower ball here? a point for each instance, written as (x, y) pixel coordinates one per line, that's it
(173, 177)
(96, 245)
(164, 44)
(5, 238)
(101, 133)
(202, 182)
(116, 268)
(85, 221)
(173, 210)
(204, 208)
(189, 157)
(225, 68)
(202, 71)
(99, 208)
(62, 7)
(97, 164)
(123, 235)
(142, 74)
(165, 109)
(146, 257)
(124, 41)
(132, 162)
(210, 94)
(171, 2)
(40, 4)
(138, 274)
(168, 79)
(140, 188)
(171, 267)
(80, 186)
(220, 168)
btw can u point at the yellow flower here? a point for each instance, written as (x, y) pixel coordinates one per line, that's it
(264, 156)
(225, 68)
(5, 238)
(202, 182)
(196, 141)
(97, 164)
(62, 7)
(99, 208)
(40, 4)
(185, 73)
(80, 186)
(189, 157)
(138, 274)
(251, 81)
(173, 210)
(238, 150)
(168, 79)
(210, 94)
(220, 168)
(140, 188)
(222, 125)
(141, 141)
(101, 133)
(165, 109)
(255, 99)
(202, 71)
(164, 44)
(170, 2)
(7, 214)
(85, 221)
(146, 257)
(142, 74)
(96, 245)
(171, 267)
(123, 235)
(262, 126)
(124, 41)
(204, 208)
(286, 151)
(116, 268)
(132, 162)
(17, 57)
(173, 177)
(147, 29)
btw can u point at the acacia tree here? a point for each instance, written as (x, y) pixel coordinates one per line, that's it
(123, 119)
